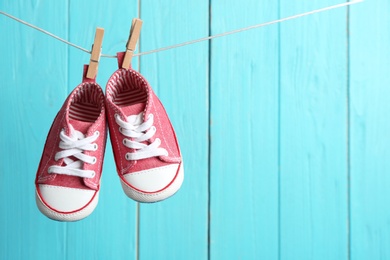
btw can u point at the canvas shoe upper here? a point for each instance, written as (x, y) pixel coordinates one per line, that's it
(68, 178)
(146, 150)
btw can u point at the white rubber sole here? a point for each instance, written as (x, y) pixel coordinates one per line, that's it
(74, 216)
(158, 196)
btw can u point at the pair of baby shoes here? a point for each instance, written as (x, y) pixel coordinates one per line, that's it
(146, 151)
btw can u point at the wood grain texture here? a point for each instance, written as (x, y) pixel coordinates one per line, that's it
(244, 132)
(31, 83)
(313, 133)
(177, 227)
(370, 128)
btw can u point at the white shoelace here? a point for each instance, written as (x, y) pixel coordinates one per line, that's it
(140, 132)
(74, 145)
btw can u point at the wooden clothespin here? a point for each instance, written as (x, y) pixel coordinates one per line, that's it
(95, 54)
(132, 42)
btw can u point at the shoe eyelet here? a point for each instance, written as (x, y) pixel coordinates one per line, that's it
(94, 160)
(117, 116)
(97, 133)
(95, 147)
(166, 153)
(93, 174)
(124, 142)
(127, 156)
(150, 116)
(154, 128)
(120, 130)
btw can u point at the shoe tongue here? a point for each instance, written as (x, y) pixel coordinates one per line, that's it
(133, 110)
(80, 125)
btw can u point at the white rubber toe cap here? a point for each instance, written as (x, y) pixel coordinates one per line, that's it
(152, 180)
(154, 184)
(65, 204)
(64, 199)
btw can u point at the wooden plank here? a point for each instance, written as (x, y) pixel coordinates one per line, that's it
(313, 127)
(244, 132)
(33, 72)
(177, 227)
(370, 127)
(110, 232)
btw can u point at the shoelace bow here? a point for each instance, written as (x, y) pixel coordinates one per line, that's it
(74, 146)
(140, 132)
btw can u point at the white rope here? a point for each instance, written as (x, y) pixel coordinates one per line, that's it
(193, 41)
(44, 31)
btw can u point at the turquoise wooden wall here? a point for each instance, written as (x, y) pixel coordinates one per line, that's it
(284, 129)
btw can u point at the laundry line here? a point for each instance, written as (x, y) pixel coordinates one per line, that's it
(192, 41)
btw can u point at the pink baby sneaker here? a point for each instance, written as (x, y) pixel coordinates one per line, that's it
(68, 177)
(146, 150)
